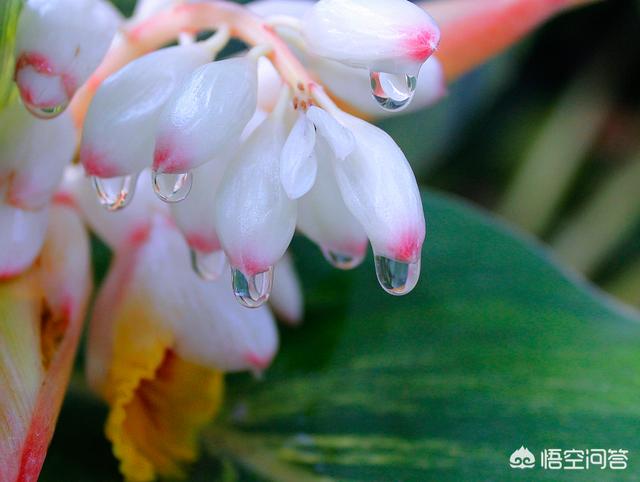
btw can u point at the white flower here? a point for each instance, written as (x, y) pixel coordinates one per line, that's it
(119, 132)
(393, 36)
(255, 219)
(206, 115)
(33, 155)
(59, 44)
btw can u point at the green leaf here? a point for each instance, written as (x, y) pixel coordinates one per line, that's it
(9, 13)
(496, 348)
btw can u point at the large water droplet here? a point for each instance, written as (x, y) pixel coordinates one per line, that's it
(209, 266)
(342, 261)
(172, 188)
(45, 112)
(397, 278)
(252, 291)
(115, 193)
(393, 92)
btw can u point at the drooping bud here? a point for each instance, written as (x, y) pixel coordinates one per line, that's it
(59, 44)
(206, 115)
(324, 218)
(129, 102)
(393, 36)
(379, 188)
(286, 298)
(255, 219)
(33, 155)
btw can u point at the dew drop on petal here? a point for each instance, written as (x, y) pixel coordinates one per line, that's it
(342, 261)
(172, 188)
(396, 277)
(115, 193)
(252, 291)
(208, 266)
(45, 112)
(393, 92)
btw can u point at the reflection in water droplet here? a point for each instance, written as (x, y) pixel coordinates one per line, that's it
(209, 266)
(45, 112)
(392, 91)
(115, 193)
(397, 278)
(342, 261)
(252, 291)
(172, 188)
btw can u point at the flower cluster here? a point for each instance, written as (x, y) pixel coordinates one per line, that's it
(206, 164)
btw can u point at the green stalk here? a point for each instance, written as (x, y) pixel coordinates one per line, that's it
(627, 285)
(9, 14)
(605, 220)
(559, 150)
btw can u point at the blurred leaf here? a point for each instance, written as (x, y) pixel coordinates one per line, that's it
(9, 14)
(496, 348)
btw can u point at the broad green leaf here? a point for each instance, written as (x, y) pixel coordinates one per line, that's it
(9, 13)
(498, 347)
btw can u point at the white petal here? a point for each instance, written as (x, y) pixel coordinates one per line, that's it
(338, 137)
(114, 228)
(298, 164)
(392, 36)
(255, 219)
(21, 238)
(195, 215)
(65, 261)
(293, 8)
(269, 84)
(33, 154)
(59, 44)
(325, 219)
(352, 85)
(119, 132)
(379, 188)
(206, 115)
(286, 296)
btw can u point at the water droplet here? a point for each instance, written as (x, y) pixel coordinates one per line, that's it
(392, 91)
(209, 266)
(397, 278)
(172, 188)
(45, 112)
(252, 291)
(342, 261)
(115, 193)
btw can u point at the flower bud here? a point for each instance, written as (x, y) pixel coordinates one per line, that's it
(325, 219)
(380, 190)
(206, 115)
(59, 44)
(21, 238)
(286, 298)
(392, 36)
(129, 102)
(255, 219)
(33, 155)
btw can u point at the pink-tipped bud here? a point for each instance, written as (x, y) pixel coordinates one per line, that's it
(255, 219)
(33, 155)
(119, 132)
(59, 44)
(379, 188)
(206, 115)
(392, 36)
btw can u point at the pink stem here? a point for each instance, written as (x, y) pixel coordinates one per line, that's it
(166, 26)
